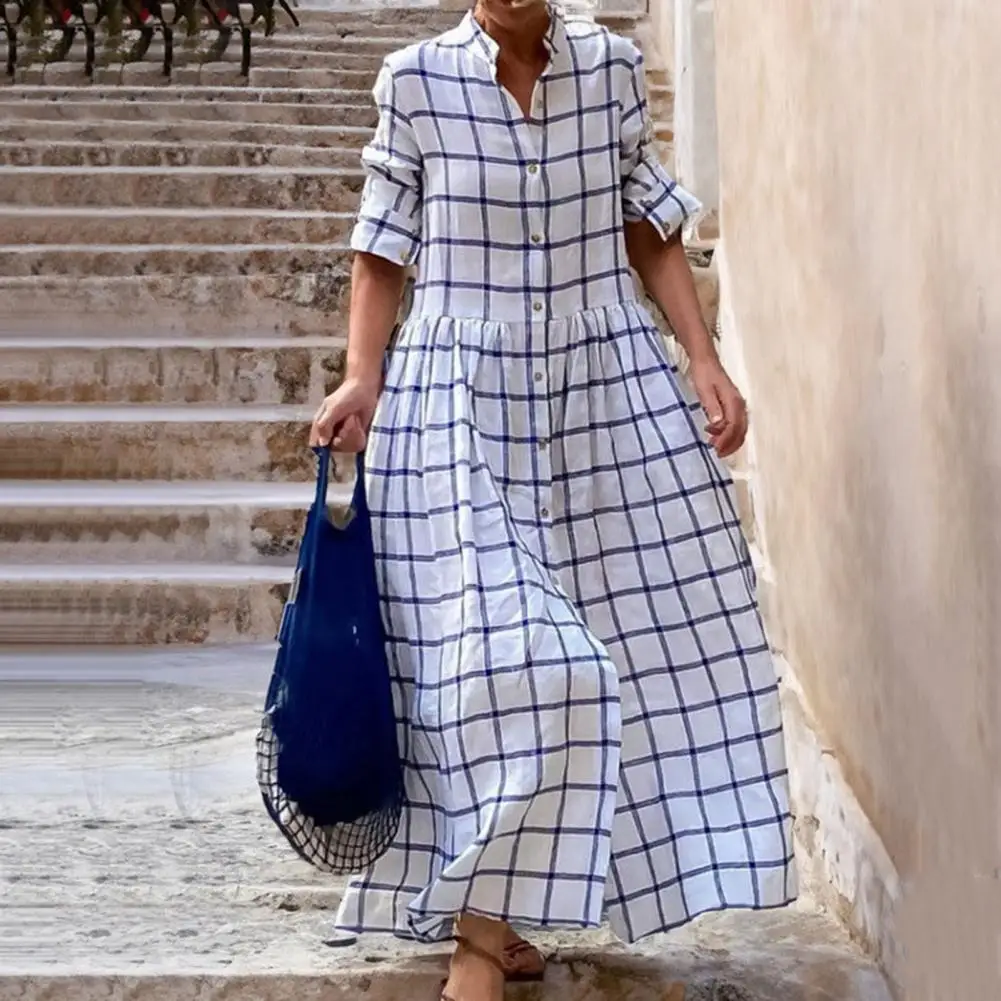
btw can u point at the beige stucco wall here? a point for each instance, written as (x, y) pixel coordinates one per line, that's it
(860, 149)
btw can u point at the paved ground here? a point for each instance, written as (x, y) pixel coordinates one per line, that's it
(137, 860)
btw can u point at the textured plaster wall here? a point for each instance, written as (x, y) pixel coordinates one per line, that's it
(861, 217)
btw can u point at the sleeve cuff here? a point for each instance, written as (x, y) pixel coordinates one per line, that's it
(389, 235)
(652, 194)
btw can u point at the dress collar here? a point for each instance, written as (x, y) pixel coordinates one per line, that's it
(471, 35)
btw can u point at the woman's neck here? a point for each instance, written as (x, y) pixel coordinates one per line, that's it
(525, 42)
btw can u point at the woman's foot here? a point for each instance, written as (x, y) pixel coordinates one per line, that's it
(476, 972)
(521, 960)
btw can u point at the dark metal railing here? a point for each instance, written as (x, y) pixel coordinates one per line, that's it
(38, 32)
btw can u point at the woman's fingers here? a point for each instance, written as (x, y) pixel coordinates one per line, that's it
(325, 422)
(729, 441)
(732, 436)
(713, 407)
(350, 436)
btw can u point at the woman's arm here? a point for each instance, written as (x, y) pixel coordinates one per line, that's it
(376, 292)
(344, 416)
(667, 276)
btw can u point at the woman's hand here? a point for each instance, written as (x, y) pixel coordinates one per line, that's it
(723, 404)
(345, 416)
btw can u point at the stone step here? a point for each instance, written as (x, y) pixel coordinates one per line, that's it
(123, 131)
(208, 260)
(308, 303)
(423, 19)
(289, 52)
(347, 81)
(356, 51)
(111, 153)
(328, 189)
(178, 112)
(167, 372)
(421, 24)
(111, 226)
(381, 44)
(410, 21)
(660, 98)
(186, 442)
(224, 94)
(378, 44)
(141, 604)
(82, 523)
(192, 70)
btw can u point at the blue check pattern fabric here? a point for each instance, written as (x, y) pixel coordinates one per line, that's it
(588, 709)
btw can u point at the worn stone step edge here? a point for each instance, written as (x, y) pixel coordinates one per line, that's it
(126, 252)
(158, 153)
(221, 94)
(55, 663)
(154, 522)
(119, 442)
(330, 189)
(360, 54)
(166, 214)
(349, 173)
(793, 956)
(142, 612)
(131, 414)
(16, 249)
(177, 113)
(185, 144)
(46, 226)
(195, 73)
(177, 305)
(124, 130)
(38, 260)
(365, 981)
(222, 574)
(151, 341)
(285, 371)
(154, 494)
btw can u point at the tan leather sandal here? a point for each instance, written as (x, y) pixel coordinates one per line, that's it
(464, 943)
(522, 962)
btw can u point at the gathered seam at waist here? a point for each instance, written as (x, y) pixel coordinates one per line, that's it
(418, 315)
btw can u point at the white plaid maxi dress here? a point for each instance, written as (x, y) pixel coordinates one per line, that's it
(588, 709)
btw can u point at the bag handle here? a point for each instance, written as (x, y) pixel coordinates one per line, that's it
(311, 543)
(358, 502)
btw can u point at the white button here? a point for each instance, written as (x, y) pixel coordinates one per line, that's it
(533, 168)
(538, 377)
(536, 238)
(544, 512)
(537, 306)
(403, 256)
(543, 444)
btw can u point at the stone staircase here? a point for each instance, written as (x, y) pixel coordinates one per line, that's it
(173, 289)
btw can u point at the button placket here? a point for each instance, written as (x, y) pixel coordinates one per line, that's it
(543, 433)
(535, 230)
(533, 224)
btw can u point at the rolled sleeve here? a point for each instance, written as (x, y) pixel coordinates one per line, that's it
(389, 218)
(648, 191)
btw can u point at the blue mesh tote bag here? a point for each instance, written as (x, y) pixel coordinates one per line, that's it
(328, 762)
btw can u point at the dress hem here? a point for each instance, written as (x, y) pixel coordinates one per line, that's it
(443, 933)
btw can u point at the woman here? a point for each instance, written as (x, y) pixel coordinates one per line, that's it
(588, 709)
